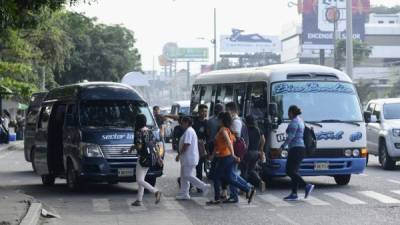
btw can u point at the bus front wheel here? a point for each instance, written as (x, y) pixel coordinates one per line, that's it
(342, 179)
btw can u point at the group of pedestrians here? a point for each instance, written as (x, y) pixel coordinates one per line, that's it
(233, 146)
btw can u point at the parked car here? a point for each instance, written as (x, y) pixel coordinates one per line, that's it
(32, 115)
(383, 130)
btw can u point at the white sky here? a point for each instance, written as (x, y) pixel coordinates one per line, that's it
(156, 22)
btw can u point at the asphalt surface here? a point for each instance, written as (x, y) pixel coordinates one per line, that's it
(370, 198)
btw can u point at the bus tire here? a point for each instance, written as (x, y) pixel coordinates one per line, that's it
(73, 181)
(342, 179)
(387, 162)
(33, 159)
(48, 180)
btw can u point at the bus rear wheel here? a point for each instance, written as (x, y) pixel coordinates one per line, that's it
(48, 180)
(342, 179)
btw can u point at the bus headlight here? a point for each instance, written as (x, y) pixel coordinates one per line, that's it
(284, 154)
(91, 150)
(356, 153)
(347, 153)
(396, 132)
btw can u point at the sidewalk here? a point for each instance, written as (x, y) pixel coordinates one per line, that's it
(13, 206)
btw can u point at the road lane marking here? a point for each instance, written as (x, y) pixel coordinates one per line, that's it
(201, 201)
(275, 201)
(287, 219)
(315, 201)
(345, 198)
(171, 204)
(129, 202)
(243, 203)
(380, 197)
(101, 205)
(394, 181)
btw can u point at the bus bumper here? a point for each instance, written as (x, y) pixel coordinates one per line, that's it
(337, 166)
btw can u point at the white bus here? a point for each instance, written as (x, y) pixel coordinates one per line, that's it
(329, 103)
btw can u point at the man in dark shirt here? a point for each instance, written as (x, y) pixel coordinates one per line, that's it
(200, 126)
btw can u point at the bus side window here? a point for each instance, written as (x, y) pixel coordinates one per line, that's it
(195, 101)
(70, 119)
(206, 92)
(44, 117)
(213, 95)
(239, 97)
(258, 100)
(228, 97)
(220, 94)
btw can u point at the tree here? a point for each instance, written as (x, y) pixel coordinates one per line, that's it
(361, 51)
(365, 91)
(100, 52)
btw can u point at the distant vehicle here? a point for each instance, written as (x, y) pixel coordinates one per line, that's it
(85, 133)
(165, 110)
(383, 130)
(329, 103)
(31, 118)
(177, 108)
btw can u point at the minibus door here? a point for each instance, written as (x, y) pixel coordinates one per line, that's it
(40, 155)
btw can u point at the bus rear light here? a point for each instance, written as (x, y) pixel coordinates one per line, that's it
(364, 153)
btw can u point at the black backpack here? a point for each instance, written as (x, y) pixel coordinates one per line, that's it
(310, 140)
(149, 154)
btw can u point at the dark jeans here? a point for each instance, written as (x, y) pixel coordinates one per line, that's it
(199, 168)
(295, 157)
(225, 168)
(248, 167)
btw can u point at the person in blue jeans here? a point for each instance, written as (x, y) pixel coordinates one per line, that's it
(295, 142)
(226, 161)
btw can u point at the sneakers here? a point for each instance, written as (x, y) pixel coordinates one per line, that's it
(158, 195)
(137, 203)
(181, 197)
(206, 190)
(291, 197)
(251, 194)
(309, 188)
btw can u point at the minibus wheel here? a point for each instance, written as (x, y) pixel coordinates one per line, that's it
(72, 178)
(33, 159)
(48, 180)
(342, 179)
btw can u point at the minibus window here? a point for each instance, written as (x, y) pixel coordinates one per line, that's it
(258, 101)
(44, 117)
(228, 97)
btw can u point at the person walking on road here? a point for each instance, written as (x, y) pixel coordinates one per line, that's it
(200, 126)
(142, 140)
(295, 142)
(188, 155)
(226, 161)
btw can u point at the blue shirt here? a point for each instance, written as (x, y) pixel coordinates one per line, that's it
(295, 133)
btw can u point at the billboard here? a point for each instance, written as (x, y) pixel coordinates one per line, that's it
(187, 54)
(319, 17)
(238, 43)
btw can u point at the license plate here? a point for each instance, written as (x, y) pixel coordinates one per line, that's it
(321, 166)
(126, 172)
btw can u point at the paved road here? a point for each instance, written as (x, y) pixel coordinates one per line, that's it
(370, 198)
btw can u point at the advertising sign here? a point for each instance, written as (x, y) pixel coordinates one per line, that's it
(238, 43)
(320, 16)
(188, 54)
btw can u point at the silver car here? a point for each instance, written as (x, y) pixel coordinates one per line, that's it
(383, 130)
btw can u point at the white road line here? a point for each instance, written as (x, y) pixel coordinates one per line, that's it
(394, 181)
(275, 201)
(287, 219)
(315, 201)
(101, 205)
(380, 197)
(129, 202)
(201, 201)
(171, 204)
(345, 198)
(243, 203)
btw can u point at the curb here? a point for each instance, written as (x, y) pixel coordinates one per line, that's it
(33, 214)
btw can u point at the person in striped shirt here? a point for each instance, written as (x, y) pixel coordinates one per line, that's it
(295, 143)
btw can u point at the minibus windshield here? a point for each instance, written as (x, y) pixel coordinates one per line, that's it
(319, 101)
(101, 113)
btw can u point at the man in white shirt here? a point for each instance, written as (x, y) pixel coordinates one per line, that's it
(188, 155)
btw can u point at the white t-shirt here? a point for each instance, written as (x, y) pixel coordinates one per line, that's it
(191, 156)
(236, 126)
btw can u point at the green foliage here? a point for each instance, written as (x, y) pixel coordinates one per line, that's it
(394, 91)
(361, 51)
(365, 91)
(21, 90)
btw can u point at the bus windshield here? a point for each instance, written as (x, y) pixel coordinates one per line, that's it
(319, 101)
(101, 113)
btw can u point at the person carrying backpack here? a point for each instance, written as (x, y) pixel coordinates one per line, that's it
(295, 142)
(144, 143)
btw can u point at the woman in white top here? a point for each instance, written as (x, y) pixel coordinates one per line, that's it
(188, 155)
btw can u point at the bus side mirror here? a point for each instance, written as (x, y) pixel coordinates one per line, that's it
(367, 116)
(273, 109)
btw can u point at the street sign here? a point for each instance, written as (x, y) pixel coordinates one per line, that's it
(188, 54)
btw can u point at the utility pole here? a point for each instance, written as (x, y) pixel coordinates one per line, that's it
(334, 36)
(215, 39)
(349, 38)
